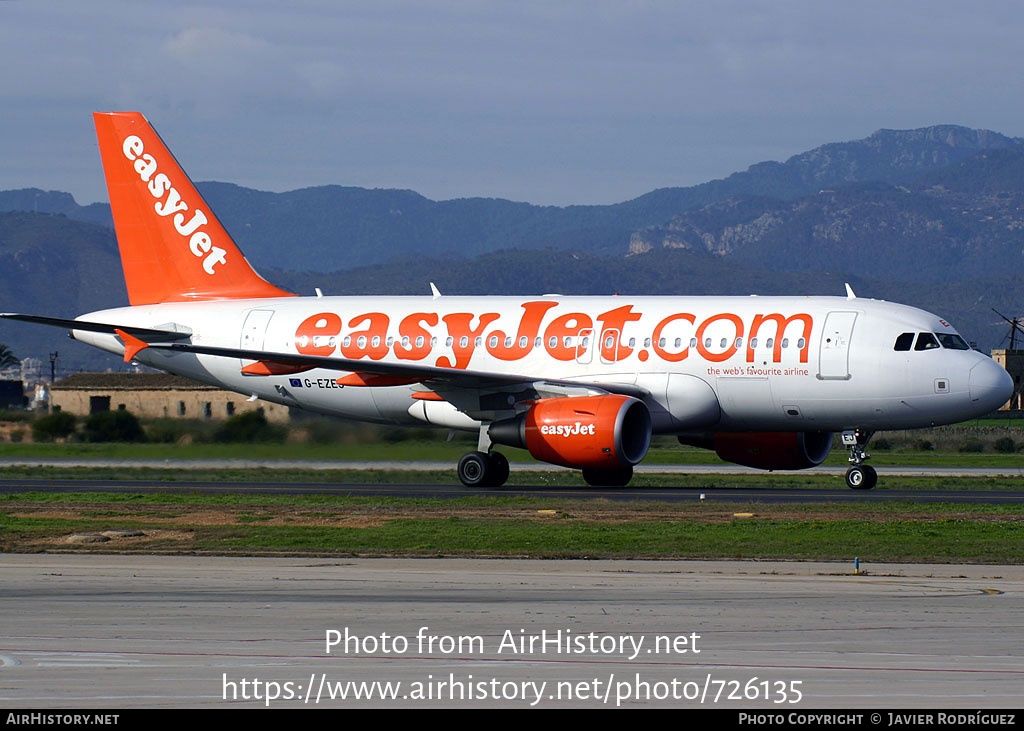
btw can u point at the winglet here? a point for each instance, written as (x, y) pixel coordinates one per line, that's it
(849, 292)
(132, 345)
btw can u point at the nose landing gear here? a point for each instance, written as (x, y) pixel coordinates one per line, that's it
(860, 476)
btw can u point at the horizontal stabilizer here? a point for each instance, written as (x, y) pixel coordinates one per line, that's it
(146, 334)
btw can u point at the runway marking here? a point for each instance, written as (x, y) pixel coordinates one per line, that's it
(651, 633)
(85, 659)
(543, 661)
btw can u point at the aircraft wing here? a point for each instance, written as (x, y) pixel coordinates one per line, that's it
(408, 373)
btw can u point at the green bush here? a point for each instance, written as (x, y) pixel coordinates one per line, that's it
(972, 446)
(58, 425)
(1006, 445)
(882, 445)
(113, 426)
(324, 431)
(252, 426)
(174, 431)
(15, 415)
(925, 446)
(17, 435)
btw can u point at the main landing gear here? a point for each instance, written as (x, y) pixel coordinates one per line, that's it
(490, 469)
(483, 469)
(860, 476)
(619, 477)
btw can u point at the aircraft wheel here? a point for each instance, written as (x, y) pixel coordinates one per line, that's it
(498, 469)
(474, 469)
(861, 477)
(608, 478)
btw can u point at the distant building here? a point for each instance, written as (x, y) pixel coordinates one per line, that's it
(1013, 362)
(153, 396)
(31, 370)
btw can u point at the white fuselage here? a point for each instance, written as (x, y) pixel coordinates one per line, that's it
(722, 363)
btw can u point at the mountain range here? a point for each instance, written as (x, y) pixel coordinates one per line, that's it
(932, 217)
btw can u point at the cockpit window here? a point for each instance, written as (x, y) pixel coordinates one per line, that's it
(904, 341)
(952, 341)
(926, 341)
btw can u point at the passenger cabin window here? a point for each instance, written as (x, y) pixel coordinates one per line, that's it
(926, 341)
(904, 341)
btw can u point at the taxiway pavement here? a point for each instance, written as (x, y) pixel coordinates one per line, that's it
(107, 631)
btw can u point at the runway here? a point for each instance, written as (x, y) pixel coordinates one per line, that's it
(428, 466)
(119, 632)
(767, 494)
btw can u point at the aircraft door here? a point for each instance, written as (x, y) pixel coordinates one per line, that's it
(254, 331)
(834, 348)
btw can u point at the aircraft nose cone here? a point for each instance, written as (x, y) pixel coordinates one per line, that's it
(991, 386)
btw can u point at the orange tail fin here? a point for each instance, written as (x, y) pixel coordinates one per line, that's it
(173, 249)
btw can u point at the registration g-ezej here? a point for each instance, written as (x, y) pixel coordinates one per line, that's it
(578, 381)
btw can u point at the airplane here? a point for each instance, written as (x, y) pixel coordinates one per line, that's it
(582, 382)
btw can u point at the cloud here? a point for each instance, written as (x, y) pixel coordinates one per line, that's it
(600, 96)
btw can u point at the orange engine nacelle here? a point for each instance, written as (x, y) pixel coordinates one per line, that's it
(596, 432)
(767, 450)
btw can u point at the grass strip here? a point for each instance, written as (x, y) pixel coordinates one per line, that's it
(335, 505)
(941, 541)
(328, 525)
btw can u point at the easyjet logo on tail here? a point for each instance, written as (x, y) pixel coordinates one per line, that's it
(169, 203)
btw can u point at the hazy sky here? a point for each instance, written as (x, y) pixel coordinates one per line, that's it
(552, 102)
